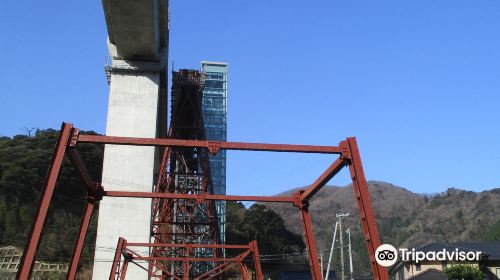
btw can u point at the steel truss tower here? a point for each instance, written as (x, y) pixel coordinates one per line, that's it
(185, 171)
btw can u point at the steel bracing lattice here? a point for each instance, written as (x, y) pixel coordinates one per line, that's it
(247, 257)
(185, 171)
(348, 156)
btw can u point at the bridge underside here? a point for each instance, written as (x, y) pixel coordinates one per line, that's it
(138, 30)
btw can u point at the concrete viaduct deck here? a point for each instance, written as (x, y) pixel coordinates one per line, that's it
(137, 30)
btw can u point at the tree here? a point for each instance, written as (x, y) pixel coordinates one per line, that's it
(24, 160)
(494, 233)
(463, 272)
(262, 224)
(281, 248)
(268, 228)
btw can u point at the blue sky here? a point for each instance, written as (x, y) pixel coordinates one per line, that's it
(417, 82)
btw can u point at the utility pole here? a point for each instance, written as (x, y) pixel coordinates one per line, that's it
(331, 251)
(350, 253)
(340, 216)
(341, 250)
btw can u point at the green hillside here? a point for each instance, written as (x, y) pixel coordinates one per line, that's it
(404, 218)
(23, 164)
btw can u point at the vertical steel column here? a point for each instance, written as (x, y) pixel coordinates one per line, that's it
(366, 213)
(29, 253)
(310, 243)
(116, 259)
(244, 271)
(124, 269)
(256, 260)
(186, 269)
(77, 251)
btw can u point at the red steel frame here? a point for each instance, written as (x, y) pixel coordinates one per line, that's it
(185, 170)
(119, 268)
(348, 157)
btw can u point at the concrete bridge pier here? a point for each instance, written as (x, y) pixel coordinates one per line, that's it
(134, 107)
(138, 47)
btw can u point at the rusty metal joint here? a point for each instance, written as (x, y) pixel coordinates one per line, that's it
(345, 152)
(98, 193)
(200, 198)
(73, 138)
(213, 147)
(128, 256)
(298, 201)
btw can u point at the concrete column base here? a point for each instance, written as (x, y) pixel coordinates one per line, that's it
(133, 111)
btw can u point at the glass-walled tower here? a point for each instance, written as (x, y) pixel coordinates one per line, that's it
(215, 120)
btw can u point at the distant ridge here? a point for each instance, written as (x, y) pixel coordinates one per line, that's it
(404, 218)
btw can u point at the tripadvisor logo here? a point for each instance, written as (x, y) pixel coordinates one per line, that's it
(387, 255)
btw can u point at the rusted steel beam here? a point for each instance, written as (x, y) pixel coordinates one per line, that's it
(93, 195)
(29, 253)
(244, 272)
(186, 269)
(251, 248)
(173, 245)
(116, 260)
(243, 255)
(200, 196)
(224, 269)
(123, 272)
(77, 251)
(82, 171)
(368, 220)
(178, 223)
(332, 170)
(213, 146)
(256, 260)
(310, 243)
(179, 259)
(213, 270)
(164, 270)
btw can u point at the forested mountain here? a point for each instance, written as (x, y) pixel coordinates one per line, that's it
(404, 218)
(24, 161)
